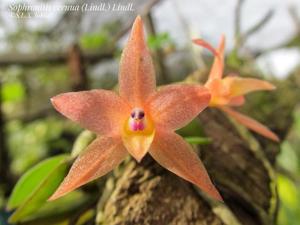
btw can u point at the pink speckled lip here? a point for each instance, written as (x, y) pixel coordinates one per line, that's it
(136, 125)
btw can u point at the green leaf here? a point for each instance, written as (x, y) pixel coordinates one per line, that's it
(62, 206)
(94, 41)
(30, 180)
(289, 196)
(287, 191)
(13, 91)
(159, 40)
(36, 186)
(198, 140)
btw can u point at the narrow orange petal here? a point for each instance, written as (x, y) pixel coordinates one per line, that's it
(216, 71)
(173, 153)
(136, 75)
(251, 124)
(240, 86)
(206, 45)
(100, 157)
(174, 106)
(100, 111)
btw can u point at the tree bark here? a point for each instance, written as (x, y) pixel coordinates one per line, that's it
(148, 194)
(77, 69)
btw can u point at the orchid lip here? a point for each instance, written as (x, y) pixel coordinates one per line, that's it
(138, 133)
(137, 120)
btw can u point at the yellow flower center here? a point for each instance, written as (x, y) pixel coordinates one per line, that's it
(138, 133)
(219, 92)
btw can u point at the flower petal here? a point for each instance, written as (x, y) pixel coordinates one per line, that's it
(240, 86)
(216, 71)
(136, 76)
(237, 101)
(174, 106)
(100, 111)
(217, 68)
(173, 153)
(100, 157)
(206, 45)
(251, 124)
(219, 92)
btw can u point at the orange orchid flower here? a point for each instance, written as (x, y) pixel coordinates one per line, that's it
(229, 91)
(138, 120)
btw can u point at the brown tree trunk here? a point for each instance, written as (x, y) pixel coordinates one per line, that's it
(77, 69)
